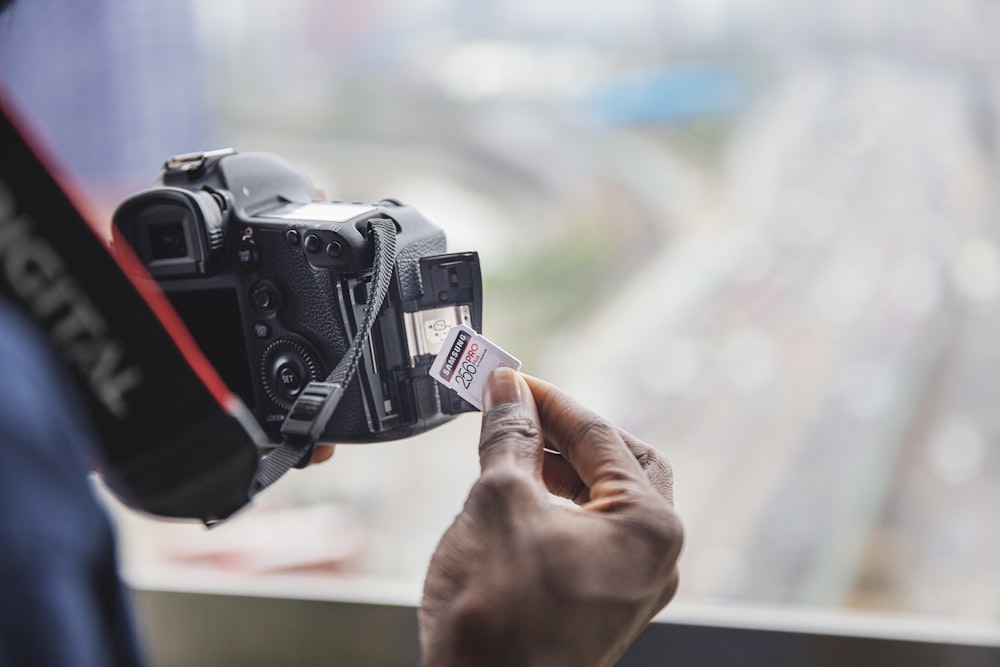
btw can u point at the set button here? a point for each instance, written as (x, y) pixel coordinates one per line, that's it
(290, 379)
(287, 367)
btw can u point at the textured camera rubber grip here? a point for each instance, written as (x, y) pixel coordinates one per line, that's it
(315, 406)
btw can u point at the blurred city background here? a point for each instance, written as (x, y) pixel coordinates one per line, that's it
(763, 236)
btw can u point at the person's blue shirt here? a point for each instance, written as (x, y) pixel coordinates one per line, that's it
(61, 601)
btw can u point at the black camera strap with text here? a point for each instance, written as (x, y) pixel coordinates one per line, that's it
(176, 441)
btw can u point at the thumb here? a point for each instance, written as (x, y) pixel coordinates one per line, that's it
(510, 433)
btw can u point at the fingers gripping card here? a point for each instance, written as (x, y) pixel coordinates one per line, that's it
(465, 359)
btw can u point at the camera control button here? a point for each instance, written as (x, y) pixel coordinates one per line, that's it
(264, 297)
(312, 243)
(247, 255)
(334, 249)
(290, 379)
(287, 367)
(292, 237)
(261, 330)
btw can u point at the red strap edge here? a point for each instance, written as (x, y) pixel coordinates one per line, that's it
(131, 267)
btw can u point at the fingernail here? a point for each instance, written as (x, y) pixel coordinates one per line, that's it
(501, 388)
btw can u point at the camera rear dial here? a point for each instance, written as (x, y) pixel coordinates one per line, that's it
(287, 366)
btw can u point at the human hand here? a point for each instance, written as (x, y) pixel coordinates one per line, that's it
(322, 453)
(520, 580)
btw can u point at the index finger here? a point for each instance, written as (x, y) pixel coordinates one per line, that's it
(592, 445)
(657, 469)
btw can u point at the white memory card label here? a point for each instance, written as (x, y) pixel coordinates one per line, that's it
(465, 359)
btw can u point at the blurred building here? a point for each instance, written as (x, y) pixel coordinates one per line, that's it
(115, 86)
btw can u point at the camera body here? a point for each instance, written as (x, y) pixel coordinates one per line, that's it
(273, 284)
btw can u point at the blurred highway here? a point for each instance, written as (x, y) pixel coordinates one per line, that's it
(818, 355)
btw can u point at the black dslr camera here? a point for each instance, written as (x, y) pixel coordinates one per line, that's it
(273, 285)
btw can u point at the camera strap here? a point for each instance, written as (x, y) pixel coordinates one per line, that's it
(314, 407)
(175, 441)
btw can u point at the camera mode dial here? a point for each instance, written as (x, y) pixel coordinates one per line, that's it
(287, 366)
